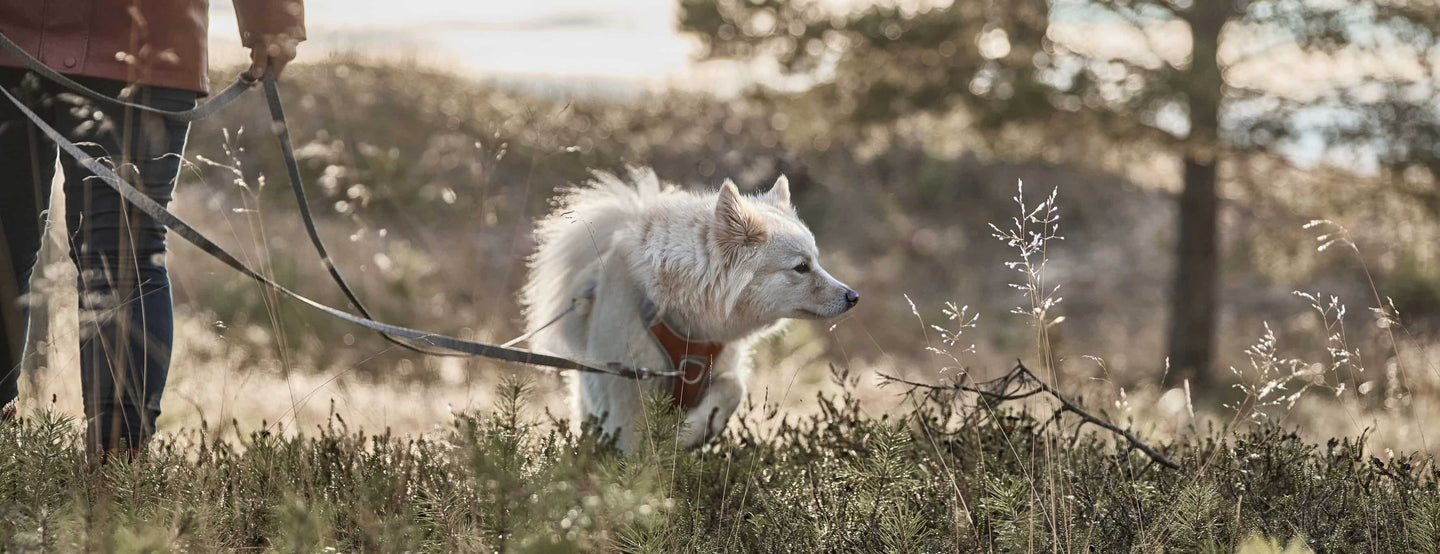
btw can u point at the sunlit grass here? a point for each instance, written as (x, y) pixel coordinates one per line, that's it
(287, 431)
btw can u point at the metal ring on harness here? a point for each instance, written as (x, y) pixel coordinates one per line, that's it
(699, 363)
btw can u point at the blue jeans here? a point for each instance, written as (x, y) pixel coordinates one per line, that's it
(126, 313)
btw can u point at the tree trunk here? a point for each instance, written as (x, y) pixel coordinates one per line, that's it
(1197, 265)
(1192, 305)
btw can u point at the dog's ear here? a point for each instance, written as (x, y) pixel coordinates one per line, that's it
(736, 226)
(779, 193)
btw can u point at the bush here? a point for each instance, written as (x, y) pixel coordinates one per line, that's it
(933, 478)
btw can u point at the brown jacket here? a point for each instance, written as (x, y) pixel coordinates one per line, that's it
(152, 42)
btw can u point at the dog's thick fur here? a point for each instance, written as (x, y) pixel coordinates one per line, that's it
(720, 267)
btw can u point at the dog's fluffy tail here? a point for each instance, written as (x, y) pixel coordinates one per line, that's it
(575, 234)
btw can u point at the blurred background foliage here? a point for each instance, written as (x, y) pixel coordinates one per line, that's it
(1191, 84)
(903, 127)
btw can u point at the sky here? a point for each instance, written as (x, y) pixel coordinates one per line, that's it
(634, 42)
(623, 47)
(629, 40)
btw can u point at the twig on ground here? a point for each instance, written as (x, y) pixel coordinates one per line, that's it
(1002, 389)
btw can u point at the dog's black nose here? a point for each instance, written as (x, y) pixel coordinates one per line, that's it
(852, 297)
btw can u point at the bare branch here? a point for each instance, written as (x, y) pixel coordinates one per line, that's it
(1000, 390)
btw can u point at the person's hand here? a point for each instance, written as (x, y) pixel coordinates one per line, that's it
(271, 53)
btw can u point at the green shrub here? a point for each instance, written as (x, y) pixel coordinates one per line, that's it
(933, 478)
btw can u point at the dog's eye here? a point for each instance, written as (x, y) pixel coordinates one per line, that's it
(802, 268)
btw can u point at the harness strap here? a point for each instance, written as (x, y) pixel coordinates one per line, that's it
(691, 360)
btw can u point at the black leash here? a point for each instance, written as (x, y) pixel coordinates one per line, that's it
(193, 236)
(280, 126)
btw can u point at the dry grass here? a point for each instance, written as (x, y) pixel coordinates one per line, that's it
(1303, 362)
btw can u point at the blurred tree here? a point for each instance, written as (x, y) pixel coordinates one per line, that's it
(1207, 80)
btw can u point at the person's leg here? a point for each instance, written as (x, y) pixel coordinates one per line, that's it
(126, 316)
(27, 163)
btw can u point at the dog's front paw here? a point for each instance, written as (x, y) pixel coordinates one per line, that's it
(707, 421)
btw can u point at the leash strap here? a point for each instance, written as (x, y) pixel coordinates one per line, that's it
(281, 128)
(190, 234)
(241, 85)
(203, 110)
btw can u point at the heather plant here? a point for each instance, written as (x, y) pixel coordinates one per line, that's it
(922, 479)
(1026, 462)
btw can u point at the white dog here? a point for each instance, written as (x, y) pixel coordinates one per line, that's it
(670, 279)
